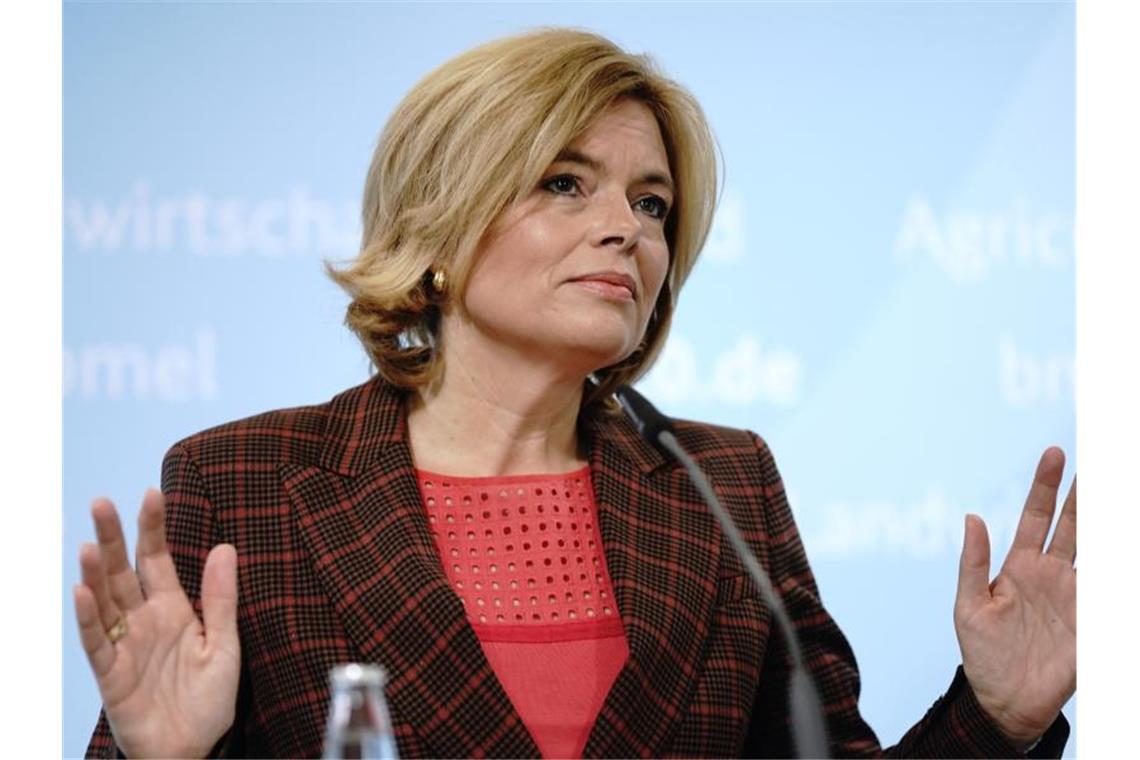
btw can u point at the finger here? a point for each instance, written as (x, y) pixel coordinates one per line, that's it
(1041, 502)
(100, 652)
(91, 570)
(155, 566)
(219, 596)
(121, 579)
(974, 565)
(1064, 543)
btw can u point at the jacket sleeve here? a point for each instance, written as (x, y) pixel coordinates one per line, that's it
(191, 531)
(956, 725)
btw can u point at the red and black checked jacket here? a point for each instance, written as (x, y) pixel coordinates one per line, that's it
(337, 564)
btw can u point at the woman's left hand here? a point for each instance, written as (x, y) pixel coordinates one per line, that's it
(1018, 634)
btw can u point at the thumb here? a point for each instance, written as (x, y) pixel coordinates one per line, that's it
(974, 566)
(219, 595)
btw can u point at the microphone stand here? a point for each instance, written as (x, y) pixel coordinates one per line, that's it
(808, 729)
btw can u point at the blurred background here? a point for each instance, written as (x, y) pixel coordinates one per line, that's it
(887, 296)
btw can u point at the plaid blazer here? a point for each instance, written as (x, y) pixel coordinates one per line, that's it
(337, 564)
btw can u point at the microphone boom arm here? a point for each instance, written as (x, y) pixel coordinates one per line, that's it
(808, 728)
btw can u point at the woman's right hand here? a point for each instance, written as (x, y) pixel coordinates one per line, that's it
(169, 682)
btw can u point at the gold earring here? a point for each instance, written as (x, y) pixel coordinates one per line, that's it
(439, 281)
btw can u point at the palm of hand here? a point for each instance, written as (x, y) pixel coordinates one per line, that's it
(169, 684)
(1018, 633)
(166, 671)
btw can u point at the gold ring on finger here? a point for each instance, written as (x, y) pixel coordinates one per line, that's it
(118, 630)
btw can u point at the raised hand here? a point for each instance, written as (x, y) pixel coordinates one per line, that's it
(1018, 634)
(168, 681)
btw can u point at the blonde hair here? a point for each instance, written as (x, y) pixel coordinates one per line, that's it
(472, 138)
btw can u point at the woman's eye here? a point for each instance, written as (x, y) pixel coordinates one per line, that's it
(563, 184)
(654, 206)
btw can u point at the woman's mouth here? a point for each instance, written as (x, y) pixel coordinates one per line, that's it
(613, 285)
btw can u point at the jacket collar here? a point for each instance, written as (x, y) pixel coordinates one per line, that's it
(363, 422)
(361, 517)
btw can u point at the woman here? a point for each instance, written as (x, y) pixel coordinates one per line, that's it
(479, 519)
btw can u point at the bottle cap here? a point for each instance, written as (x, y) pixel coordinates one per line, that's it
(356, 674)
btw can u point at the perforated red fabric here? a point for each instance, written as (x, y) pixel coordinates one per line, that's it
(524, 554)
(521, 550)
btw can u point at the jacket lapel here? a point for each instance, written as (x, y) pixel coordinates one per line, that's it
(361, 516)
(662, 550)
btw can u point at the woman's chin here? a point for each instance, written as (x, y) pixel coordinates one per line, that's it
(579, 346)
(599, 355)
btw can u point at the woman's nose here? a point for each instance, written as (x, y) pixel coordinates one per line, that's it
(616, 223)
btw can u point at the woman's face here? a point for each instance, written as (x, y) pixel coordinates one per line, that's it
(570, 274)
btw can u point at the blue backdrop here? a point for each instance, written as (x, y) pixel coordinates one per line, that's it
(887, 296)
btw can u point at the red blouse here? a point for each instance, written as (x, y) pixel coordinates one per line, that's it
(524, 554)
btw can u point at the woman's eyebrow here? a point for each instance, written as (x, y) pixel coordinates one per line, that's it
(573, 156)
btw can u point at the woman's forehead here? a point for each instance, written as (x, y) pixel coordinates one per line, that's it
(626, 129)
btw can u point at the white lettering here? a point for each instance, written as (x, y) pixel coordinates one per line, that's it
(740, 375)
(919, 232)
(95, 225)
(966, 245)
(726, 241)
(229, 216)
(105, 370)
(930, 528)
(172, 374)
(1026, 378)
(674, 376)
(175, 373)
(196, 210)
(296, 223)
(205, 362)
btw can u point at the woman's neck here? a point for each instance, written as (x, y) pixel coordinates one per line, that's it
(490, 415)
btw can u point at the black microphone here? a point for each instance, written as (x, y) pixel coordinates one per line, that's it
(645, 417)
(808, 728)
